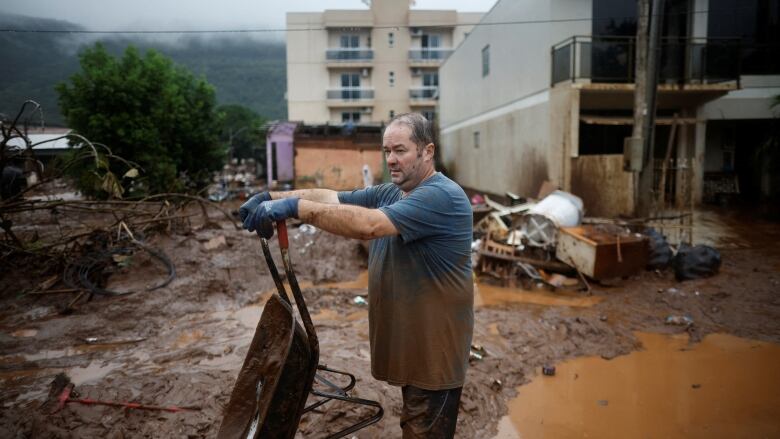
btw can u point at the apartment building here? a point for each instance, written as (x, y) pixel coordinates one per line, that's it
(544, 90)
(366, 65)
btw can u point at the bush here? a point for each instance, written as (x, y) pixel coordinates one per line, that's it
(146, 110)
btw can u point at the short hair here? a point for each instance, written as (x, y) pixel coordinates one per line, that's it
(421, 128)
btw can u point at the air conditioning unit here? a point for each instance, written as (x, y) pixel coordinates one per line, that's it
(416, 72)
(416, 32)
(364, 73)
(366, 110)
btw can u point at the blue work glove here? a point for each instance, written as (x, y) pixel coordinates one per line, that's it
(252, 203)
(264, 216)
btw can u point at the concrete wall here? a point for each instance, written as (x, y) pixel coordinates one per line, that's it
(523, 134)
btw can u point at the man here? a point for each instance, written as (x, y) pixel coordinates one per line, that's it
(420, 291)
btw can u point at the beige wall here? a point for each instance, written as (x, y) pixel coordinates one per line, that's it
(309, 76)
(513, 154)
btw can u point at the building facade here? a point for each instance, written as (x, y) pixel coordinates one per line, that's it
(544, 90)
(365, 66)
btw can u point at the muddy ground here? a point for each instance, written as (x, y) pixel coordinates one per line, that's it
(184, 344)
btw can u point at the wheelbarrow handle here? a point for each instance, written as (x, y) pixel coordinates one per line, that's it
(281, 229)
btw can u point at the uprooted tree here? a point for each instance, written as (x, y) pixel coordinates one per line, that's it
(149, 111)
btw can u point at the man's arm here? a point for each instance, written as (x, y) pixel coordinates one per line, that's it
(326, 196)
(346, 219)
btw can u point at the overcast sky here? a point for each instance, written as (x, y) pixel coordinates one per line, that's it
(197, 14)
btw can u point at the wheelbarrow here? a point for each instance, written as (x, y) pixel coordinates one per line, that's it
(279, 370)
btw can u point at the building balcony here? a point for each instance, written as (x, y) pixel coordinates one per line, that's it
(691, 71)
(349, 57)
(428, 57)
(608, 59)
(350, 97)
(423, 96)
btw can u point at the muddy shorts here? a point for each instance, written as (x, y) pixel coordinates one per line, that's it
(430, 414)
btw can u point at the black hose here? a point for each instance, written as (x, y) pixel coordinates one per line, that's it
(84, 273)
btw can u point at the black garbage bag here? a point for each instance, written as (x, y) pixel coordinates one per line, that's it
(659, 252)
(696, 262)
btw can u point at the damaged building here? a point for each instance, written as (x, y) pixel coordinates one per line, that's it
(336, 157)
(553, 101)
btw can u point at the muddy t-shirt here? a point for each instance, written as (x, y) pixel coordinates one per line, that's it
(420, 290)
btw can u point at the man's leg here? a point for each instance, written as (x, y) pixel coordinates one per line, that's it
(429, 413)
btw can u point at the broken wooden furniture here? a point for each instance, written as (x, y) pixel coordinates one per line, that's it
(504, 261)
(602, 252)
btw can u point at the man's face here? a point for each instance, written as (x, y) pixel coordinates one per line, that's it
(408, 166)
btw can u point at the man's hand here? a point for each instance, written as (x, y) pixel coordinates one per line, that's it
(252, 203)
(266, 213)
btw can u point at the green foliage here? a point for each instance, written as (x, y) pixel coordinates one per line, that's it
(241, 131)
(146, 110)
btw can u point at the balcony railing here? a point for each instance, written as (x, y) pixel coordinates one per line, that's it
(424, 93)
(351, 94)
(611, 60)
(429, 54)
(349, 54)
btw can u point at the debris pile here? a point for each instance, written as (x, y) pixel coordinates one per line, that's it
(549, 243)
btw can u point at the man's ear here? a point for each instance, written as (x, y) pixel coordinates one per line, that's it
(429, 150)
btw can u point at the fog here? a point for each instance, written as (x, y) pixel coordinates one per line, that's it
(197, 14)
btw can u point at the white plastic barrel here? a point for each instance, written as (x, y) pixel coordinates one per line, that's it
(563, 208)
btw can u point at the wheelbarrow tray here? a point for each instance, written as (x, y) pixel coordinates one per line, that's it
(271, 389)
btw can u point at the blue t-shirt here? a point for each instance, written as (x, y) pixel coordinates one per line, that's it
(420, 290)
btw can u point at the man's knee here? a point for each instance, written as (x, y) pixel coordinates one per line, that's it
(429, 413)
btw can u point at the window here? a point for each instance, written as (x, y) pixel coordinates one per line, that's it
(350, 41)
(350, 86)
(486, 60)
(429, 114)
(350, 116)
(391, 78)
(756, 23)
(476, 139)
(430, 85)
(430, 46)
(390, 39)
(431, 79)
(392, 114)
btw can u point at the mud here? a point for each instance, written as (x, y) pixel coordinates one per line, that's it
(184, 344)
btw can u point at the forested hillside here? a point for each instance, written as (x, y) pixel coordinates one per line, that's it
(244, 70)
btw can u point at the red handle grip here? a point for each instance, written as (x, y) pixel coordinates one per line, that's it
(281, 229)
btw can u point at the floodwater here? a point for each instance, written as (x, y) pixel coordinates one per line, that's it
(489, 295)
(723, 387)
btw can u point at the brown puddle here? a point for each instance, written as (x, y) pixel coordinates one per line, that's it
(361, 283)
(723, 387)
(488, 295)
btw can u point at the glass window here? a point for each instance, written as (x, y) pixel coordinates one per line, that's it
(614, 18)
(350, 116)
(431, 79)
(476, 139)
(391, 114)
(350, 86)
(391, 78)
(486, 60)
(390, 39)
(429, 114)
(350, 41)
(756, 23)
